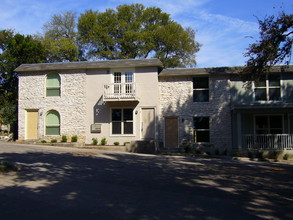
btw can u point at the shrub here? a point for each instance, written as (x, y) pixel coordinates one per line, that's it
(197, 151)
(116, 143)
(64, 138)
(74, 138)
(276, 155)
(43, 141)
(103, 141)
(187, 148)
(95, 141)
(236, 154)
(217, 152)
(286, 157)
(53, 141)
(250, 154)
(126, 143)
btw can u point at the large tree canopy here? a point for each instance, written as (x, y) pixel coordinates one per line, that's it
(15, 49)
(133, 31)
(274, 46)
(60, 39)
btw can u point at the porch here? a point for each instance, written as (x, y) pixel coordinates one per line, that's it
(268, 141)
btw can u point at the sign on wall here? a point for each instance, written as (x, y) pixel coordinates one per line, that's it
(96, 128)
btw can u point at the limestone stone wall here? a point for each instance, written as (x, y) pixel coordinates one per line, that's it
(176, 99)
(70, 105)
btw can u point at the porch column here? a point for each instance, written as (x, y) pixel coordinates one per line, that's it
(239, 130)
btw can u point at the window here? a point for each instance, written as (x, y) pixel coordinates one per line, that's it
(123, 82)
(53, 84)
(268, 89)
(269, 124)
(201, 129)
(122, 121)
(52, 123)
(201, 89)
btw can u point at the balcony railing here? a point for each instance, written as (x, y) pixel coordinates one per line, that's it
(268, 141)
(119, 92)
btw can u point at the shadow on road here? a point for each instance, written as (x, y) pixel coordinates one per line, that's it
(130, 186)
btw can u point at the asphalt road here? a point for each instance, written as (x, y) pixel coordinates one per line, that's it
(68, 183)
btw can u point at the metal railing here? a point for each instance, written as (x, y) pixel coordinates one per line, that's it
(268, 141)
(120, 91)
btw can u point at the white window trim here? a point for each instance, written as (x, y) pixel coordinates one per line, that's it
(267, 87)
(122, 71)
(133, 121)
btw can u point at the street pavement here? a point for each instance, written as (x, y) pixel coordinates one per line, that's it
(70, 183)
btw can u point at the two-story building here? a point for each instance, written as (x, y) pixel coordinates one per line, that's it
(132, 100)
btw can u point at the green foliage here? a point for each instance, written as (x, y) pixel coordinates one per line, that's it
(187, 148)
(63, 138)
(236, 154)
(125, 143)
(7, 167)
(74, 138)
(286, 157)
(95, 141)
(15, 49)
(104, 141)
(53, 141)
(133, 31)
(116, 143)
(60, 39)
(274, 46)
(43, 141)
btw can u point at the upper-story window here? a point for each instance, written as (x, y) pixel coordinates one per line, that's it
(268, 89)
(201, 89)
(123, 82)
(53, 84)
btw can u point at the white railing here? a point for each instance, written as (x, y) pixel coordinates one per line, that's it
(268, 141)
(120, 91)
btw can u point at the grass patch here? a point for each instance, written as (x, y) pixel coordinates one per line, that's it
(6, 167)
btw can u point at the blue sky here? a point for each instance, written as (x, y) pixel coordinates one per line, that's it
(224, 28)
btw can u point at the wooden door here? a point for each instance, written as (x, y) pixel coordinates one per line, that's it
(32, 124)
(171, 132)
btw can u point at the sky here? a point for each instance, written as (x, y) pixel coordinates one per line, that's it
(224, 28)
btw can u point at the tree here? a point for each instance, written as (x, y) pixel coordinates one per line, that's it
(15, 49)
(274, 46)
(133, 31)
(60, 38)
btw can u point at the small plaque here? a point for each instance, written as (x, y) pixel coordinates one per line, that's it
(96, 128)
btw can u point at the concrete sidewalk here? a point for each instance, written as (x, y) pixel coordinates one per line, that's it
(69, 183)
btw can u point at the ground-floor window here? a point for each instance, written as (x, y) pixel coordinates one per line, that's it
(52, 123)
(201, 129)
(122, 121)
(268, 124)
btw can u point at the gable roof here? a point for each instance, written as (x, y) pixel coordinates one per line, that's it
(214, 70)
(37, 67)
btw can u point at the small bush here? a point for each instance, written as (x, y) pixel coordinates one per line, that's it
(187, 148)
(103, 141)
(6, 167)
(217, 152)
(53, 141)
(260, 155)
(64, 138)
(74, 138)
(126, 143)
(225, 152)
(250, 154)
(116, 143)
(236, 154)
(95, 141)
(286, 157)
(43, 141)
(197, 151)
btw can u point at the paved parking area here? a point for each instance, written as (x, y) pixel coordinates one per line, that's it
(68, 183)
